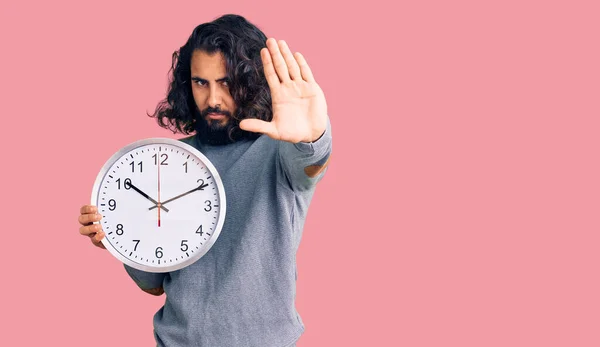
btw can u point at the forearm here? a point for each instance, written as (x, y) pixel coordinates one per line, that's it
(304, 163)
(155, 291)
(151, 283)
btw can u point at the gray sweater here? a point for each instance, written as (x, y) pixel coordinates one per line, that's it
(242, 292)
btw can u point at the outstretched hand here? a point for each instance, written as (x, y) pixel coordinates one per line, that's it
(299, 106)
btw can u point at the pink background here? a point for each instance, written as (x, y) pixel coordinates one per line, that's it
(461, 204)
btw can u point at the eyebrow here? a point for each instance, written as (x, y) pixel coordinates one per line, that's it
(198, 79)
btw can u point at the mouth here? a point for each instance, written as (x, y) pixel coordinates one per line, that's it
(215, 116)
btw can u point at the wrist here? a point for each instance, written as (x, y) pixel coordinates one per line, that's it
(317, 133)
(316, 136)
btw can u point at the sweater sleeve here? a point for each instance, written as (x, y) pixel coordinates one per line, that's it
(145, 280)
(305, 163)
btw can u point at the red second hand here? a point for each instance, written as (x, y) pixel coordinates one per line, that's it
(158, 163)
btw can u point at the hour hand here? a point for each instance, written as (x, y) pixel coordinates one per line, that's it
(147, 196)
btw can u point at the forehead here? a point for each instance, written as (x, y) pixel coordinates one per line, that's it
(208, 66)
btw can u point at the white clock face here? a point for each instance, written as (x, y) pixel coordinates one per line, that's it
(162, 202)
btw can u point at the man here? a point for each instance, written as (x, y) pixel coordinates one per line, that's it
(261, 119)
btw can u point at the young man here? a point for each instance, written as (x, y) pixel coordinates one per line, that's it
(261, 119)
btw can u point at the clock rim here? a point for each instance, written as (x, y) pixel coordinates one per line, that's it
(222, 202)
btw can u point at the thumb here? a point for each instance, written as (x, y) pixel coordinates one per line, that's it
(259, 126)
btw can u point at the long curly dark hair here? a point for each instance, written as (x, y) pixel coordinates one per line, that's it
(240, 43)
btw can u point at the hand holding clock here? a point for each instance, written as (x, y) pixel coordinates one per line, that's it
(136, 233)
(88, 215)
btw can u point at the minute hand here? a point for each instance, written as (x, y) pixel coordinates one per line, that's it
(200, 187)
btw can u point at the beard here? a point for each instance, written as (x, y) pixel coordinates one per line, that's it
(214, 132)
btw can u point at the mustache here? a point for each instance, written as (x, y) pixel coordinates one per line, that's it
(215, 110)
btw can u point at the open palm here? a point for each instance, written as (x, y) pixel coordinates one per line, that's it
(299, 106)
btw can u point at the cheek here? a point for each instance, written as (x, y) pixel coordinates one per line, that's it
(199, 98)
(230, 103)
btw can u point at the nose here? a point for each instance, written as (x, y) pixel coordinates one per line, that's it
(214, 98)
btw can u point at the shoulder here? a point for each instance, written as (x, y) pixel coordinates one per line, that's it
(188, 140)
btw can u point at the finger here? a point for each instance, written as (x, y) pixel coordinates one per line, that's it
(90, 229)
(304, 68)
(278, 61)
(292, 64)
(87, 219)
(259, 126)
(88, 209)
(97, 239)
(270, 74)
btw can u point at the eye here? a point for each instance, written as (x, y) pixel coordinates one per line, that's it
(226, 84)
(200, 83)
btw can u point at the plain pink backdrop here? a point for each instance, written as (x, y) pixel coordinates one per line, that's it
(461, 204)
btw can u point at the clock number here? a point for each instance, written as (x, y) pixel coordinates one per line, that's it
(112, 204)
(133, 167)
(159, 253)
(137, 242)
(119, 229)
(209, 206)
(127, 183)
(184, 244)
(163, 162)
(185, 164)
(199, 230)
